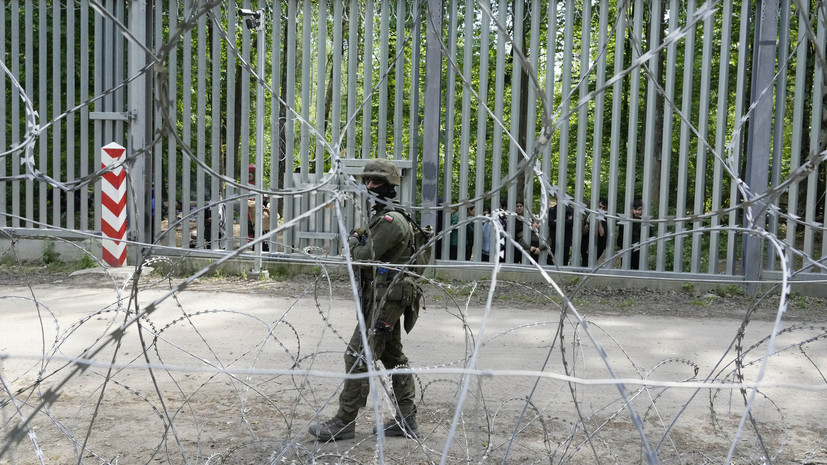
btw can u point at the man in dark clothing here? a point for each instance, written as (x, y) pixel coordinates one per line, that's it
(599, 235)
(637, 213)
(568, 226)
(385, 298)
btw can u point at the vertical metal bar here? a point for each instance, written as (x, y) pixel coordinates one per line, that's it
(321, 77)
(172, 111)
(215, 140)
(245, 136)
(352, 63)
(720, 132)
(57, 93)
(119, 64)
(702, 132)
(615, 142)
(482, 122)
(99, 76)
(513, 146)
(5, 112)
(431, 118)
(160, 191)
(816, 135)
(42, 96)
(797, 128)
(186, 131)
(499, 110)
(450, 122)
(551, 67)
(399, 88)
(759, 140)
(261, 38)
(336, 110)
(597, 134)
(649, 138)
(582, 131)
(531, 122)
(84, 112)
(275, 123)
(465, 124)
(778, 126)
(566, 94)
(367, 76)
(230, 155)
(289, 133)
(321, 87)
(382, 117)
(201, 130)
(307, 33)
(734, 158)
(307, 52)
(683, 157)
(631, 136)
(137, 104)
(71, 119)
(413, 126)
(14, 14)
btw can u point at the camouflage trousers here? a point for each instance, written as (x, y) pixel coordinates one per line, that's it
(356, 391)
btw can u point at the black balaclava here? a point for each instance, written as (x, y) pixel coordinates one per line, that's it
(385, 191)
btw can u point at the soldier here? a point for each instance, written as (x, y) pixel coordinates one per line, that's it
(385, 298)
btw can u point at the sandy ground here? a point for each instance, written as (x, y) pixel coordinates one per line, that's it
(232, 371)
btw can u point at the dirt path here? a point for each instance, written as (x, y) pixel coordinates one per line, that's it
(234, 372)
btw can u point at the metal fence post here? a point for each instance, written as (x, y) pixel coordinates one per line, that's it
(431, 118)
(137, 94)
(760, 131)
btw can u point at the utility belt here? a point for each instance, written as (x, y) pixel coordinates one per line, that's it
(400, 293)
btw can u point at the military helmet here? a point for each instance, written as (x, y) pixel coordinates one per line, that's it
(382, 168)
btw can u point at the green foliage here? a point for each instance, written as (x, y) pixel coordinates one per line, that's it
(50, 256)
(688, 287)
(280, 272)
(729, 290)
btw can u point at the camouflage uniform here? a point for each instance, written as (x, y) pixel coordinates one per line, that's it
(386, 240)
(386, 295)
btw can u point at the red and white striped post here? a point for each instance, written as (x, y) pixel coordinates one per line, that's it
(113, 213)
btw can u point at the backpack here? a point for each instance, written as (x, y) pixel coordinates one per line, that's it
(421, 244)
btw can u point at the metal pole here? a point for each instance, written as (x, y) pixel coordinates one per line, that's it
(260, 39)
(138, 94)
(431, 117)
(760, 132)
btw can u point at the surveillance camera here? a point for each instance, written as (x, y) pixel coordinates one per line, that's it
(244, 12)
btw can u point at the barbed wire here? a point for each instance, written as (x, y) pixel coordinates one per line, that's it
(149, 358)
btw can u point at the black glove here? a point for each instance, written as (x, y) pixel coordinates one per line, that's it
(359, 235)
(380, 334)
(380, 327)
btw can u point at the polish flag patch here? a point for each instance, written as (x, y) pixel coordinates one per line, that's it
(388, 218)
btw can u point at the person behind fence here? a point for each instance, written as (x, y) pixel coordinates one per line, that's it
(385, 297)
(599, 235)
(568, 226)
(532, 243)
(469, 235)
(487, 228)
(251, 206)
(637, 213)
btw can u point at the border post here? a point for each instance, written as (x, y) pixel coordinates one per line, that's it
(113, 211)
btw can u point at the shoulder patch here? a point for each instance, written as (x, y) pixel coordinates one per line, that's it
(389, 218)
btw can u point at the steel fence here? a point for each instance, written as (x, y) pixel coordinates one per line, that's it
(710, 114)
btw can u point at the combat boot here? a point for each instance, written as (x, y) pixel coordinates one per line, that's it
(401, 427)
(335, 429)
